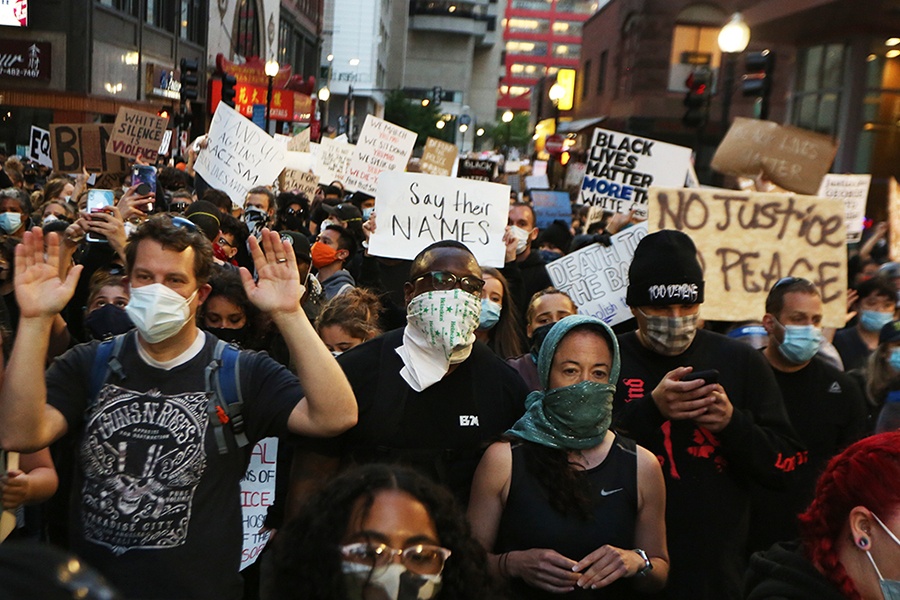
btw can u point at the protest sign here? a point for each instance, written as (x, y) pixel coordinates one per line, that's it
(575, 173)
(74, 148)
(39, 147)
(9, 461)
(257, 495)
(438, 157)
(239, 155)
(894, 218)
(333, 160)
(303, 182)
(300, 161)
(853, 190)
(550, 205)
(300, 142)
(479, 170)
(538, 168)
(166, 143)
(536, 182)
(381, 146)
(747, 241)
(792, 158)
(596, 277)
(137, 134)
(416, 209)
(621, 168)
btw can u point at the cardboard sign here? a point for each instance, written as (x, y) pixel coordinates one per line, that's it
(596, 277)
(239, 155)
(416, 209)
(137, 134)
(333, 160)
(257, 495)
(747, 241)
(479, 170)
(894, 219)
(83, 146)
(792, 158)
(303, 182)
(39, 147)
(621, 168)
(853, 190)
(300, 142)
(438, 157)
(550, 205)
(381, 146)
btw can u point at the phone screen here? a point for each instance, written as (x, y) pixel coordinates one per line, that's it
(145, 178)
(97, 201)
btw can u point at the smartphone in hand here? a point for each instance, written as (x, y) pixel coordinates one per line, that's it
(144, 177)
(708, 376)
(99, 201)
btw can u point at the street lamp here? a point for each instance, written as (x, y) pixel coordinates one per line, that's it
(507, 118)
(733, 39)
(323, 96)
(440, 124)
(557, 92)
(271, 71)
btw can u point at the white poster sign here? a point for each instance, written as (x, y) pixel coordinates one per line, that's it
(39, 147)
(854, 191)
(332, 160)
(381, 146)
(257, 495)
(416, 209)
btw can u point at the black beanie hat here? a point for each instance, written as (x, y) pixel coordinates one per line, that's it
(665, 271)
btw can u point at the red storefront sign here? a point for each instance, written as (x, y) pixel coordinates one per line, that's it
(287, 105)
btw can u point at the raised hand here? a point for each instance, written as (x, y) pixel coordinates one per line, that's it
(133, 205)
(39, 290)
(278, 289)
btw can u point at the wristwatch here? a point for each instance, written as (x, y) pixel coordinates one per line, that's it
(648, 566)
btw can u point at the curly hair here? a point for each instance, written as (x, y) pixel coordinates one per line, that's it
(227, 284)
(865, 474)
(356, 311)
(307, 556)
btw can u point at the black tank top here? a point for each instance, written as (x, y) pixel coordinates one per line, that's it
(529, 521)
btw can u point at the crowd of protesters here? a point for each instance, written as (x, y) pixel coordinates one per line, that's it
(449, 430)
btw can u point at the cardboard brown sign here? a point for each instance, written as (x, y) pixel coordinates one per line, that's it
(793, 158)
(304, 182)
(137, 134)
(438, 157)
(83, 146)
(300, 142)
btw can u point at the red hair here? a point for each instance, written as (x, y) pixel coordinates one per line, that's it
(865, 474)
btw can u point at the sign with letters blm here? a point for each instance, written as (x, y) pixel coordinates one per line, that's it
(83, 146)
(596, 277)
(257, 495)
(416, 209)
(622, 167)
(382, 146)
(137, 134)
(747, 241)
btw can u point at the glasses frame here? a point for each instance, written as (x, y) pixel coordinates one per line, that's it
(454, 281)
(384, 554)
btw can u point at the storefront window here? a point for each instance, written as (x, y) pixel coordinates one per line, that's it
(879, 142)
(817, 98)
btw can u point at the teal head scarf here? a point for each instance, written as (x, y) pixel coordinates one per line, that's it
(574, 417)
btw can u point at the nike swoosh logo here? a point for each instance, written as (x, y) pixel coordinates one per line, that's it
(610, 492)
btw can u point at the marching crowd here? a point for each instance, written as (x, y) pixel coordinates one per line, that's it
(448, 430)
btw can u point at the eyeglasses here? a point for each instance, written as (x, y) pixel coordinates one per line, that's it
(294, 211)
(178, 206)
(183, 223)
(421, 559)
(445, 280)
(224, 242)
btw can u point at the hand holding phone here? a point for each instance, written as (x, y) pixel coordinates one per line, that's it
(708, 376)
(98, 201)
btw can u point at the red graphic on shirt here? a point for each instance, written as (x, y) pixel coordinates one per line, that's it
(667, 444)
(791, 462)
(635, 388)
(706, 443)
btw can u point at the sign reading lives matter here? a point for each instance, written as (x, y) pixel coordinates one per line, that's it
(83, 146)
(381, 146)
(747, 241)
(137, 134)
(239, 155)
(257, 495)
(416, 209)
(596, 277)
(853, 191)
(621, 168)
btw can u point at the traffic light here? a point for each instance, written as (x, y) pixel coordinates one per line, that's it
(436, 92)
(697, 99)
(189, 79)
(228, 83)
(757, 82)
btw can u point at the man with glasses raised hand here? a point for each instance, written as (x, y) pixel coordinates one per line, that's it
(429, 395)
(713, 435)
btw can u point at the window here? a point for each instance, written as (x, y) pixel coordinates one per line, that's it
(585, 79)
(580, 7)
(532, 4)
(161, 13)
(526, 70)
(517, 25)
(192, 20)
(125, 6)
(566, 50)
(527, 48)
(601, 72)
(695, 44)
(816, 100)
(246, 29)
(572, 28)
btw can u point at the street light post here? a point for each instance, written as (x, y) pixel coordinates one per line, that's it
(271, 71)
(556, 94)
(323, 96)
(507, 118)
(733, 39)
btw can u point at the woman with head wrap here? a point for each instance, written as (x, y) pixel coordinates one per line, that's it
(564, 505)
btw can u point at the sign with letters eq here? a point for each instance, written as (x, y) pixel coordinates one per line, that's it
(137, 134)
(747, 241)
(621, 168)
(596, 277)
(416, 209)
(257, 495)
(83, 146)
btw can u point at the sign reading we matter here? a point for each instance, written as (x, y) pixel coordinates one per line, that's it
(416, 209)
(747, 241)
(381, 146)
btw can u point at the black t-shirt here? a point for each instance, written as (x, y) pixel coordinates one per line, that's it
(853, 350)
(443, 430)
(707, 475)
(155, 506)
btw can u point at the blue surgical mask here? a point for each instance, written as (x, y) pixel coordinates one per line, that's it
(890, 588)
(894, 359)
(872, 320)
(490, 314)
(367, 212)
(801, 342)
(10, 222)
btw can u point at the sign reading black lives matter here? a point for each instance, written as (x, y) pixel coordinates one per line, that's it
(621, 168)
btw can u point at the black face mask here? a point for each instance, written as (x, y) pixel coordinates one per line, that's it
(294, 223)
(537, 339)
(108, 321)
(238, 336)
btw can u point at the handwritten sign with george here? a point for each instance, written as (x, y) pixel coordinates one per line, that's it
(416, 209)
(621, 168)
(257, 495)
(792, 158)
(333, 160)
(137, 134)
(438, 157)
(596, 277)
(747, 241)
(853, 191)
(239, 155)
(381, 146)
(77, 147)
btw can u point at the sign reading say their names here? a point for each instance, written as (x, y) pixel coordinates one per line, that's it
(83, 146)
(239, 155)
(621, 168)
(381, 146)
(39, 147)
(416, 209)
(257, 495)
(137, 134)
(596, 276)
(853, 190)
(747, 241)
(438, 157)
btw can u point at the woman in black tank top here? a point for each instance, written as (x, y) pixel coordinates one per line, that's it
(563, 505)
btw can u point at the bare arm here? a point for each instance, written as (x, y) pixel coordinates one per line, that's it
(35, 480)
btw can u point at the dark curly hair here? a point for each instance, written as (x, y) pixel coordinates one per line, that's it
(307, 558)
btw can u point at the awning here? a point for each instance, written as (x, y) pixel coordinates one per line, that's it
(578, 125)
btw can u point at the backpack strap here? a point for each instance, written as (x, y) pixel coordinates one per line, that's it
(106, 360)
(226, 403)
